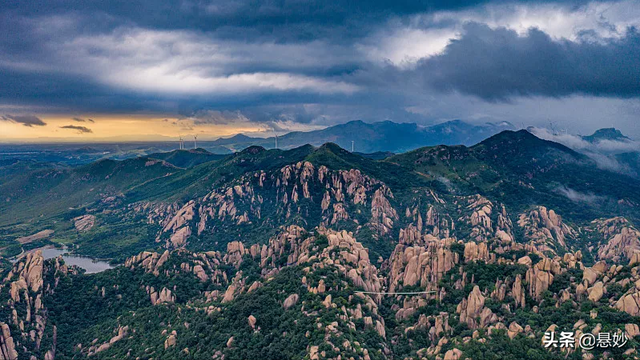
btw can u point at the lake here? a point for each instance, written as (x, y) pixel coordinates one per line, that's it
(90, 265)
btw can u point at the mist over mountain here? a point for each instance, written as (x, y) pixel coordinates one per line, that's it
(611, 149)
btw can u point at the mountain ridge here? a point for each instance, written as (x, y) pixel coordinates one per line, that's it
(382, 136)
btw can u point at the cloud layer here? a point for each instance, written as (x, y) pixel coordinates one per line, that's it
(499, 64)
(321, 63)
(603, 152)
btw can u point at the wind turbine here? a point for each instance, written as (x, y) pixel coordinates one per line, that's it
(181, 144)
(553, 129)
(276, 139)
(352, 145)
(195, 141)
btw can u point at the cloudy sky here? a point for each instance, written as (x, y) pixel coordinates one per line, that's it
(152, 70)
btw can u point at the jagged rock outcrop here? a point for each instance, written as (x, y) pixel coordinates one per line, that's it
(252, 321)
(165, 296)
(150, 261)
(383, 214)
(26, 291)
(294, 190)
(487, 220)
(421, 265)
(179, 226)
(425, 225)
(541, 275)
(122, 332)
(620, 240)
(473, 312)
(596, 292)
(635, 259)
(514, 330)
(7, 346)
(517, 292)
(545, 229)
(476, 252)
(84, 223)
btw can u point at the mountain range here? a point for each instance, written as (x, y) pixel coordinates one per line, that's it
(316, 252)
(384, 136)
(379, 137)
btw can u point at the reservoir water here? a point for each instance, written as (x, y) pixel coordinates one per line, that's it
(91, 266)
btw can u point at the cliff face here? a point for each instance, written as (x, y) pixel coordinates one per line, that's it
(28, 327)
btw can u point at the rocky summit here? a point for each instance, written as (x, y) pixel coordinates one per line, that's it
(318, 253)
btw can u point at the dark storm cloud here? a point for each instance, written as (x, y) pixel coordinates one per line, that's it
(499, 64)
(62, 93)
(285, 19)
(26, 120)
(79, 129)
(320, 62)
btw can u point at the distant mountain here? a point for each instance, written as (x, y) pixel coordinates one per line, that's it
(384, 136)
(606, 134)
(186, 158)
(236, 139)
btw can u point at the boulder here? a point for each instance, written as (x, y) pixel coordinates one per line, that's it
(514, 330)
(635, 259)
(596, 292)
(290, 301)
(454, 354)
(589, 275)
(629, 303)
(171, 340)
(632, 330)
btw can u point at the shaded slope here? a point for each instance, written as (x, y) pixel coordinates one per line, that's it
(50, 192)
